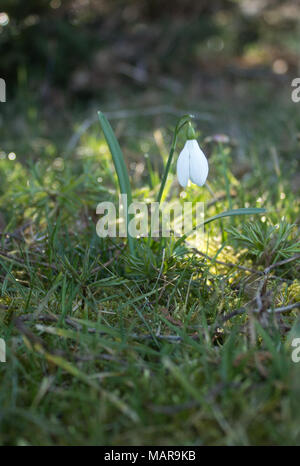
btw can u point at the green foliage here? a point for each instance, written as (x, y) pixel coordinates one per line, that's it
(166, 347)
(266, 243)
(121, 170)
(55, 41)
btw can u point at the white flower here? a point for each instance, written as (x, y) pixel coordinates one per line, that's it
(192, 164)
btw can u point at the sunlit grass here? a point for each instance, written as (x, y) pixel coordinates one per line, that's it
(164, 347)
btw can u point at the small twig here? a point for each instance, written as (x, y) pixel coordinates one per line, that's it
(261, 290)
(261, 295)
(283, 262)
(243, 310)
(242, 267)
(285, 308)
(22, 262)
(228, 264)
(234, 313)
(78, 327)
(16, 234)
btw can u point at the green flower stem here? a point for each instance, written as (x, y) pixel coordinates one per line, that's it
(180, 124)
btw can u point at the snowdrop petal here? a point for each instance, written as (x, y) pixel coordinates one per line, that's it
(198, 163)
(183, 166)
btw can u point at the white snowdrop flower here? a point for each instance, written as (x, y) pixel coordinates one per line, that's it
(192, 163)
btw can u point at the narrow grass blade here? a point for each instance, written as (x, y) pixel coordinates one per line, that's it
(120, 167)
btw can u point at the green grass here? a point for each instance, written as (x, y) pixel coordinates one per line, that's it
(165, 348)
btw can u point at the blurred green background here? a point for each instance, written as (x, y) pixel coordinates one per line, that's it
(229, 60)
(230, 63)
(85, 48)
(144, 64)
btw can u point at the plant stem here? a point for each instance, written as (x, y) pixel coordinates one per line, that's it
(185, 119)
(167, 169)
